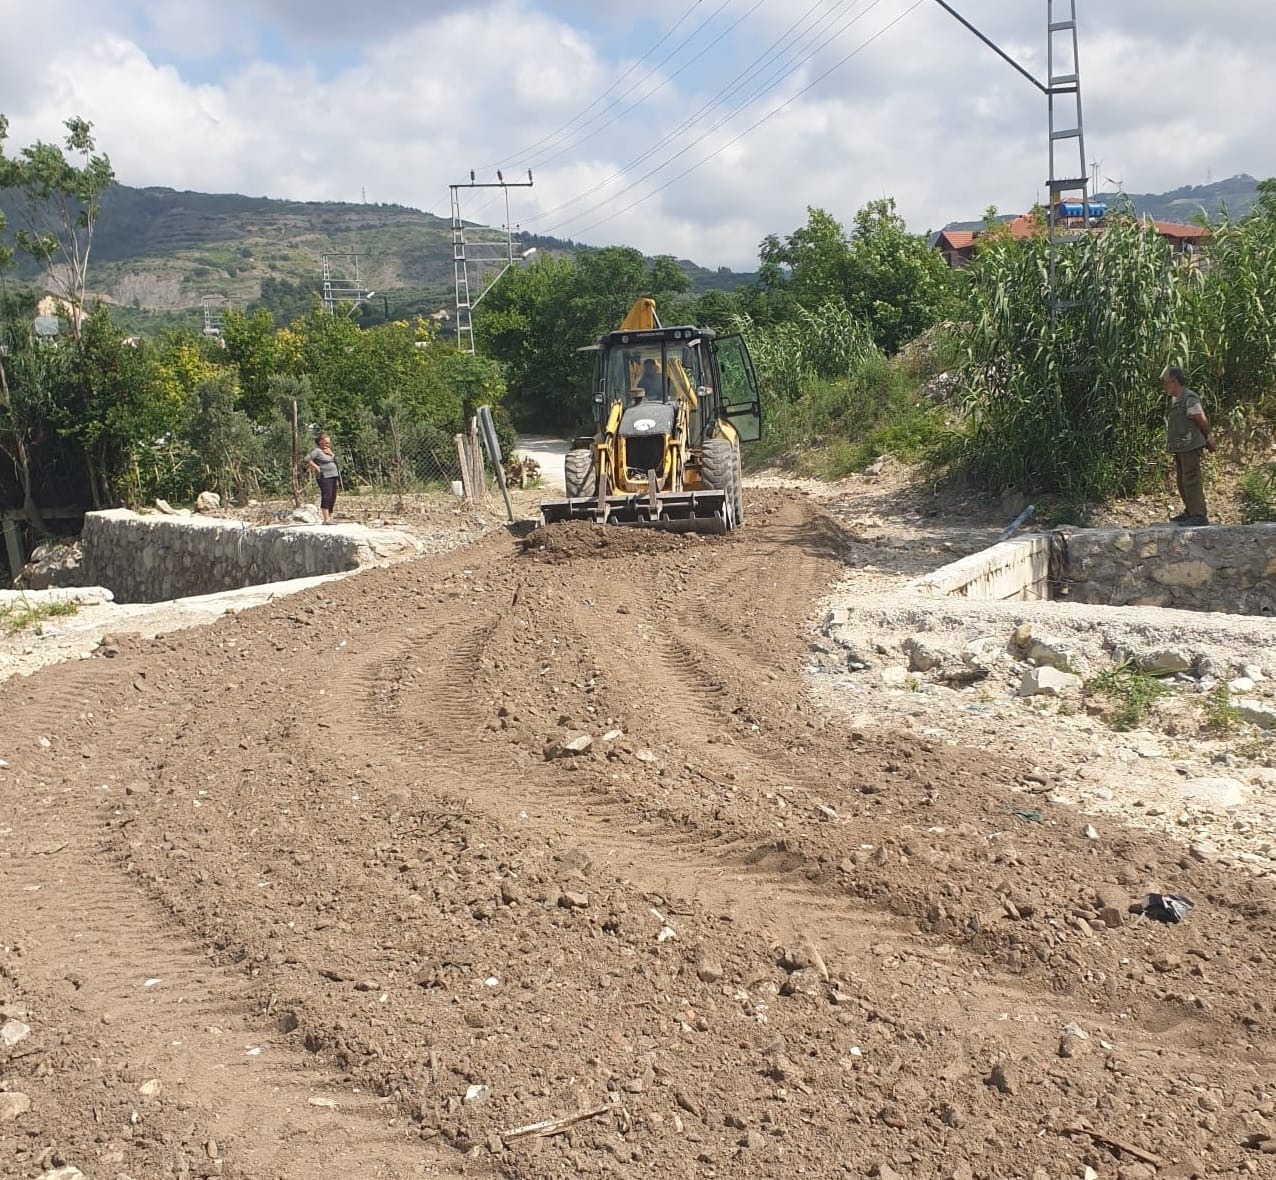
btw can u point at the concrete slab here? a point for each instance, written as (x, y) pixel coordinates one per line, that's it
(1017, 569)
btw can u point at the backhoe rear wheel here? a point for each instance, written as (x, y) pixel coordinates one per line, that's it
(579, 473)
(720, 469)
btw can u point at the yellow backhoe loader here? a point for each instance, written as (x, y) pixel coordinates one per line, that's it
(673, 406)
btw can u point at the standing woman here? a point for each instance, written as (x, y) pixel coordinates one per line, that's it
(324, 464)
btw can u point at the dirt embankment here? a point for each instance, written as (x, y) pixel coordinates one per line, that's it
(517, 834)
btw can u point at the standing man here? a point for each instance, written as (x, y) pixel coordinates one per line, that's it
(1187, 432)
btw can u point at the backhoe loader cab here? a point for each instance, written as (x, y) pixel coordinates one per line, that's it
(673, 406)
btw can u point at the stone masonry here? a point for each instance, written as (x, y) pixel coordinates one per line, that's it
(156, 558)
(1222, 568)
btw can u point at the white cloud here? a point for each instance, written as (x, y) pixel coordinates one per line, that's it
(423, 93)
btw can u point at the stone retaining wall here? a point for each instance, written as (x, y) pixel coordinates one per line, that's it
(1221, 568)
(155, 558)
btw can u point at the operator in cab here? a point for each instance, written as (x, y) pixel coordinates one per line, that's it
(651, 381)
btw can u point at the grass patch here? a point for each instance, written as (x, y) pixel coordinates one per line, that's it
(1132, 692)
(18, 616)
(1221, 716)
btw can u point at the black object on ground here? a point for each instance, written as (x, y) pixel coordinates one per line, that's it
(1165, 907)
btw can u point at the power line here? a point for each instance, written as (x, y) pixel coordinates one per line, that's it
(770, 83)
(527, 151)
(574, 145)
(478, 213)
(755, 125)
(748, 74)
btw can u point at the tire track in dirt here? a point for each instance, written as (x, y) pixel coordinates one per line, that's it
(126, 968)
(751, 885)
(743, 876)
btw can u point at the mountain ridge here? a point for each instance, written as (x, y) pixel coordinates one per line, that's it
(160, 249)
(161, 252)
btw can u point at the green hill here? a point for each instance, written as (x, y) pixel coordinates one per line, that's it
(1234, 197)
(159, 253)
(163, 250)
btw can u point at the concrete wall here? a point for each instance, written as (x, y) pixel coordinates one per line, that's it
(1016, 569)
(154, 558)
(1222, 568)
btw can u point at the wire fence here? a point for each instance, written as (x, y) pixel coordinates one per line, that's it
(406, 457)
(391, 454)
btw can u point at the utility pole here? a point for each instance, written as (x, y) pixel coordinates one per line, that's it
(1063, 83)
(481, 254)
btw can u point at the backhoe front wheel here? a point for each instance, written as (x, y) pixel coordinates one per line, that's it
(720, 469)
(579, 474)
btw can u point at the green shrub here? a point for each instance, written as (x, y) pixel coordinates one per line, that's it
(1132, 690)
(1221, 716)
(18, 616)
(1069, 402)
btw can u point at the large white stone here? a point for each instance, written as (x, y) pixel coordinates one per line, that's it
(1257, 713)
(1047, 681)
(1219, 791)
(12, 1032)
(1166, 662)
(1047, 652)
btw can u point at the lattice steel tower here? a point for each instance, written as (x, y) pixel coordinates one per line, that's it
(1062, 89)
(215, 309)
(341, 283)
(481, 254)
(1069, 179)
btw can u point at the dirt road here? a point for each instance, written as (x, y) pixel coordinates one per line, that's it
(361, 882)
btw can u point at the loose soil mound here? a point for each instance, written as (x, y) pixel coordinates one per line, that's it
(581, 541)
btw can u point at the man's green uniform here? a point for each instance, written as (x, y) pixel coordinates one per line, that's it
(1187, 444)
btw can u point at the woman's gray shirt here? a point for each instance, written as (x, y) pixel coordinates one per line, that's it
(326, 463)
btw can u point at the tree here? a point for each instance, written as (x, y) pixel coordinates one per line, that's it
(538, 318)
(118, 399)
(23, 408)
(810, 262)
(61, 202)
(284, 300)
(668, 277)
(15, 423)
(225, 451)
(532, 324)
(894, 280)
(886, 276)
(251, 347)
(1266, 204)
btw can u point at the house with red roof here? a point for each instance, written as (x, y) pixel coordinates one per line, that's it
(958, 245)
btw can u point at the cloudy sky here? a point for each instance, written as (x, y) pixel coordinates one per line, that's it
(678, 126)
